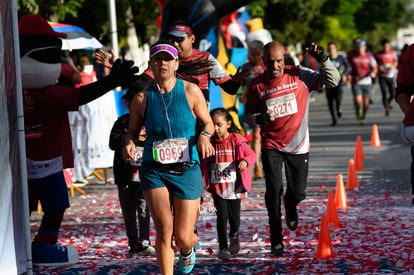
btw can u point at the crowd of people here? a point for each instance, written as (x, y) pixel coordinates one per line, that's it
(170, 147)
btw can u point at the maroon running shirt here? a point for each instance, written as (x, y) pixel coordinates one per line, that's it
(406, 78)
(287, 96)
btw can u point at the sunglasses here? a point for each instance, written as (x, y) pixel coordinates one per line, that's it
(177, 39)
(50, 54)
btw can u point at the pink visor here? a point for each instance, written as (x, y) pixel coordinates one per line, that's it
(164, 48)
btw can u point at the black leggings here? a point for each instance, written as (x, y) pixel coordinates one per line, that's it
(387, 86)
(334, 97)
(226, 210)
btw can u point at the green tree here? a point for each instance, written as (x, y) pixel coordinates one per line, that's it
(52, 10)
(93, 16)
(326, 20)
(390, 15)
(288, 20)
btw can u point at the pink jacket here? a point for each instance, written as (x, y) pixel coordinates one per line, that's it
(242, 152)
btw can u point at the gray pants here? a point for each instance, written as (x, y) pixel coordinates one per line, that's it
(132, 200)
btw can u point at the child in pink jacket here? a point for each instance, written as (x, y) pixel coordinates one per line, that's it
(228, 178)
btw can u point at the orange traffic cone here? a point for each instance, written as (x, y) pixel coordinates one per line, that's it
(375, 139)
(39, 208)
(352, 182)
(358, 157)
(340, 194)
(358, 148)
(325, 249)
(331, 214)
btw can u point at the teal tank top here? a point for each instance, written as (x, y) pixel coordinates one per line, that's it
(181, 119)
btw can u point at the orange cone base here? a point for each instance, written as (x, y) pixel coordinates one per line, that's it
(325, 249)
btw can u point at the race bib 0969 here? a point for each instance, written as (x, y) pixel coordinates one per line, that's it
(171, 150)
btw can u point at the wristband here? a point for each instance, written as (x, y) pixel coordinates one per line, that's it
(205, 133)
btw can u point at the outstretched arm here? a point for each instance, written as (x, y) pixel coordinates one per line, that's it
(121, 73)
(329, 76)
(232, 85)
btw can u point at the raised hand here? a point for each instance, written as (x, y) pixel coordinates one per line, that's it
(104, 58)
(318, 52)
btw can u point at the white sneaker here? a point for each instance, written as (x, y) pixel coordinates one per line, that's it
(148, 251)
(80, 182)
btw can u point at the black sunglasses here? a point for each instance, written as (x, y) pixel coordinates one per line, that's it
(177, 39)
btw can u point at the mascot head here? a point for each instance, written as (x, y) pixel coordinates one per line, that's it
(40, 51)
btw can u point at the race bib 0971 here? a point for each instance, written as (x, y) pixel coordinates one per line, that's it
(282, 105)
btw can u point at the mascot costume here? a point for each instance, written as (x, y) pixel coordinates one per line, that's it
(47, 131)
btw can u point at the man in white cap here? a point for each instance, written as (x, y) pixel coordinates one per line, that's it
(181, 34)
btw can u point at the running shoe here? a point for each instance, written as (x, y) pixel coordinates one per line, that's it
(359, 114)
(187, 262)
(81, 182)
(277, 250)
(390, 103)
(53, 254)
(197, 246)
(234, 247)
(258, 173)
(292, 219)
(224, 254)
(142, 250)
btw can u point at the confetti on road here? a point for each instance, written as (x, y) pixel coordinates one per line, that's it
(376, 237)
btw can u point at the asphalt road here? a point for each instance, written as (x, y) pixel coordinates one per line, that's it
(376, 236)
(333, 146)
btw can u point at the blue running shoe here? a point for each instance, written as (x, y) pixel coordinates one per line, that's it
(53, 254)
(187, 263)
(197, 246)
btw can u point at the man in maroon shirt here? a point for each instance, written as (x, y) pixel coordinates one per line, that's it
(278, 100)
(387, 60)
(404, 93)
(363, 70)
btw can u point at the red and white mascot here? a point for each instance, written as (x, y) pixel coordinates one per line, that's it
(48, 136)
